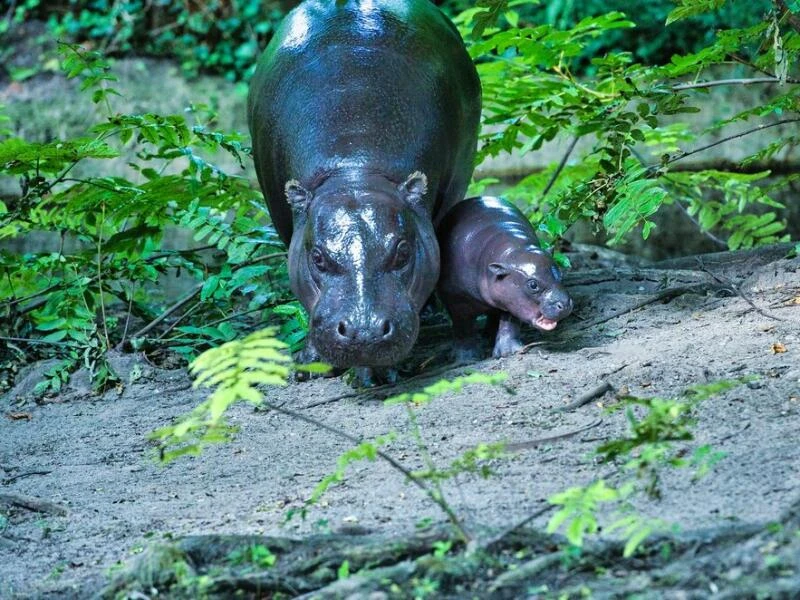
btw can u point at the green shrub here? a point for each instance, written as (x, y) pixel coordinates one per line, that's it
(217, 36)
(80, 303)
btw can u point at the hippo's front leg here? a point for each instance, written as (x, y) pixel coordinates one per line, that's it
(467, 342)
(306, 356)
(373, 376)
(507, 340)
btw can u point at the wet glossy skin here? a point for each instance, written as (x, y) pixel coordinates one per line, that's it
(348, 102)
(492, 264)
(365, 265)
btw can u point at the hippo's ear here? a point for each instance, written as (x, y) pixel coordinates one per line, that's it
(499, 270)
(414, 188)
(297, 196)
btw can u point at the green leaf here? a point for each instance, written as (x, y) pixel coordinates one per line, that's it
(343, 572)
(691, 8)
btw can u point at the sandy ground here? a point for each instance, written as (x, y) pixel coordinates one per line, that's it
(95, 461)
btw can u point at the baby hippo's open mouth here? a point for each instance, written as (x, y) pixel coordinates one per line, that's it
(544, 323)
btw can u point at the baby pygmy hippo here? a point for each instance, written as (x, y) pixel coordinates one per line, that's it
(491, 263)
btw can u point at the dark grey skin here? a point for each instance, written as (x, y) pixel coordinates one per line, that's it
(492, 264)
(364, 119)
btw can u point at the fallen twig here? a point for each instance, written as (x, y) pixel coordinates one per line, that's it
(553, 438)
(735, 433)
(617, 370)
(9, 480)
(667, 294)
(737, 289)
(527, 347)
(34, 504)
(597, 392)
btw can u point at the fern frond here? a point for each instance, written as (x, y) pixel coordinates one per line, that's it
(234, 369)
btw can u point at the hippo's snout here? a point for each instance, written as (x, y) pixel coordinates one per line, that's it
(557, 307)
(375, 341)
(376, 331)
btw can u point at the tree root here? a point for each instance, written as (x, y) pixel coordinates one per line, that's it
(740, 561)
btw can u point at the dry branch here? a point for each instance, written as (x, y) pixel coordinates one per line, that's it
(34, 504)
(597, 392)
(724, 555)
(515, 446)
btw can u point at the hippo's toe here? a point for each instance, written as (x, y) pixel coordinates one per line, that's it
(506, 347)
(307, 356)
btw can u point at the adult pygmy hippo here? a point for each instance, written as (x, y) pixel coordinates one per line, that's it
(492, 263)
(364, 118)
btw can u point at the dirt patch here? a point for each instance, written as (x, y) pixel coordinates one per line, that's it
(735, 314)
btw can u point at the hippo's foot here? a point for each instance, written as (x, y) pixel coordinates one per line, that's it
(366, 377)
(507, 341)
(506, 347)
(307, 356)
(468, 350)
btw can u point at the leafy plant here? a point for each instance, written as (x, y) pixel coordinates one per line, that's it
(527, 62)
(257, 555)
(473, 461)
(234, 369)
(94, 292)
(646, 452)
(218, 36)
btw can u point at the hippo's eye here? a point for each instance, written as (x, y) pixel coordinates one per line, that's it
(533, 285)
(319, 260)
(402, 254)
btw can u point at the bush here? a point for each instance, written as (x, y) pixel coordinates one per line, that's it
(217, 36)
(81, 303)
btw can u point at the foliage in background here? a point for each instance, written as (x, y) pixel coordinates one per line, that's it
(627, 110)
(94, 292)
(97, 290)
(651, 43)
(217, 36)
(224, 36)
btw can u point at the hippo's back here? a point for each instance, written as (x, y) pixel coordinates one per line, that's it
(475, 222)
(471, 231)
(383, 85)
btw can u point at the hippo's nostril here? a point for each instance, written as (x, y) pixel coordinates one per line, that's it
(388, 328)
(563, 305)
